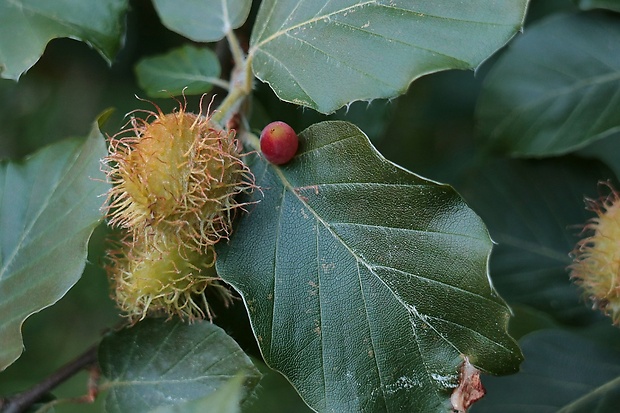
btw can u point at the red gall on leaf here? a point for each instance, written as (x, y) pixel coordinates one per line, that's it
(278, 143)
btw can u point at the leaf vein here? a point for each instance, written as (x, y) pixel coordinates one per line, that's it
(398, 229)
(276, 60)
(315, 19)
(372, 341)
(475, 332)
(434, 281)
(344, 63)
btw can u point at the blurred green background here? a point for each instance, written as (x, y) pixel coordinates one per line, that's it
(430, 131)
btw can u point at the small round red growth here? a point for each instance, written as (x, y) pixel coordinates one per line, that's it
(278, 142)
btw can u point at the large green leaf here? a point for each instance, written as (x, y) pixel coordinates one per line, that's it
(26, 26)
(188, 70)
(535, 212)
(562, 373)
(203, 20)
(157, 363)
(365, 284)
(49, 205)
(556, 89)
(326, 54)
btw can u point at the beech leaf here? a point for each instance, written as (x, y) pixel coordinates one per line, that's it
(366, 284)
(49, 206)
(226, 399)
(157, 365)
(556, 89)
(187, 70)
(203, 20)
(26, 26)
(534, 210)
(563, 373)
(599, 4)
(326, 54)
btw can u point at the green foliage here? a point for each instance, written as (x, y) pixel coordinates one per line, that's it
(49, 207)
(203, 20)
(569, 79)
(346, 265)
(158, 363)
(563, 372)
(530, 260)
(325, 55)
(226, 399)
(188, 70)
(365, 285)
(27, 25)
(599, 4)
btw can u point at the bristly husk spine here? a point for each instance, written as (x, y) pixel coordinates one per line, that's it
(188, 183)
(154, 275)
(175, 182)
(596, 264)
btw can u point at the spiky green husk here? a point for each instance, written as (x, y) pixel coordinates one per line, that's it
(178, 172)
(155, 275)
(175, 183)
(596, 265)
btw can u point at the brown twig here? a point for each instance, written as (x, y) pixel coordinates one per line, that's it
(20, 402)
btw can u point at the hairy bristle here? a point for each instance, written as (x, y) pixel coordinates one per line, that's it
(175, 182)
(154, 275)
(596, 264)
(176, 170)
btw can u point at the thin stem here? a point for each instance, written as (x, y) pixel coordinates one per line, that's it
(235, 48)
(228, 105)
(22, 401)
(240, 82)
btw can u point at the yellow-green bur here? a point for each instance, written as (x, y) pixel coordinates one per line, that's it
(156, 275)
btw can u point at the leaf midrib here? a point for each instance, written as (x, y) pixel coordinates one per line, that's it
(112, 384)
(253, 141)
(185, 75)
